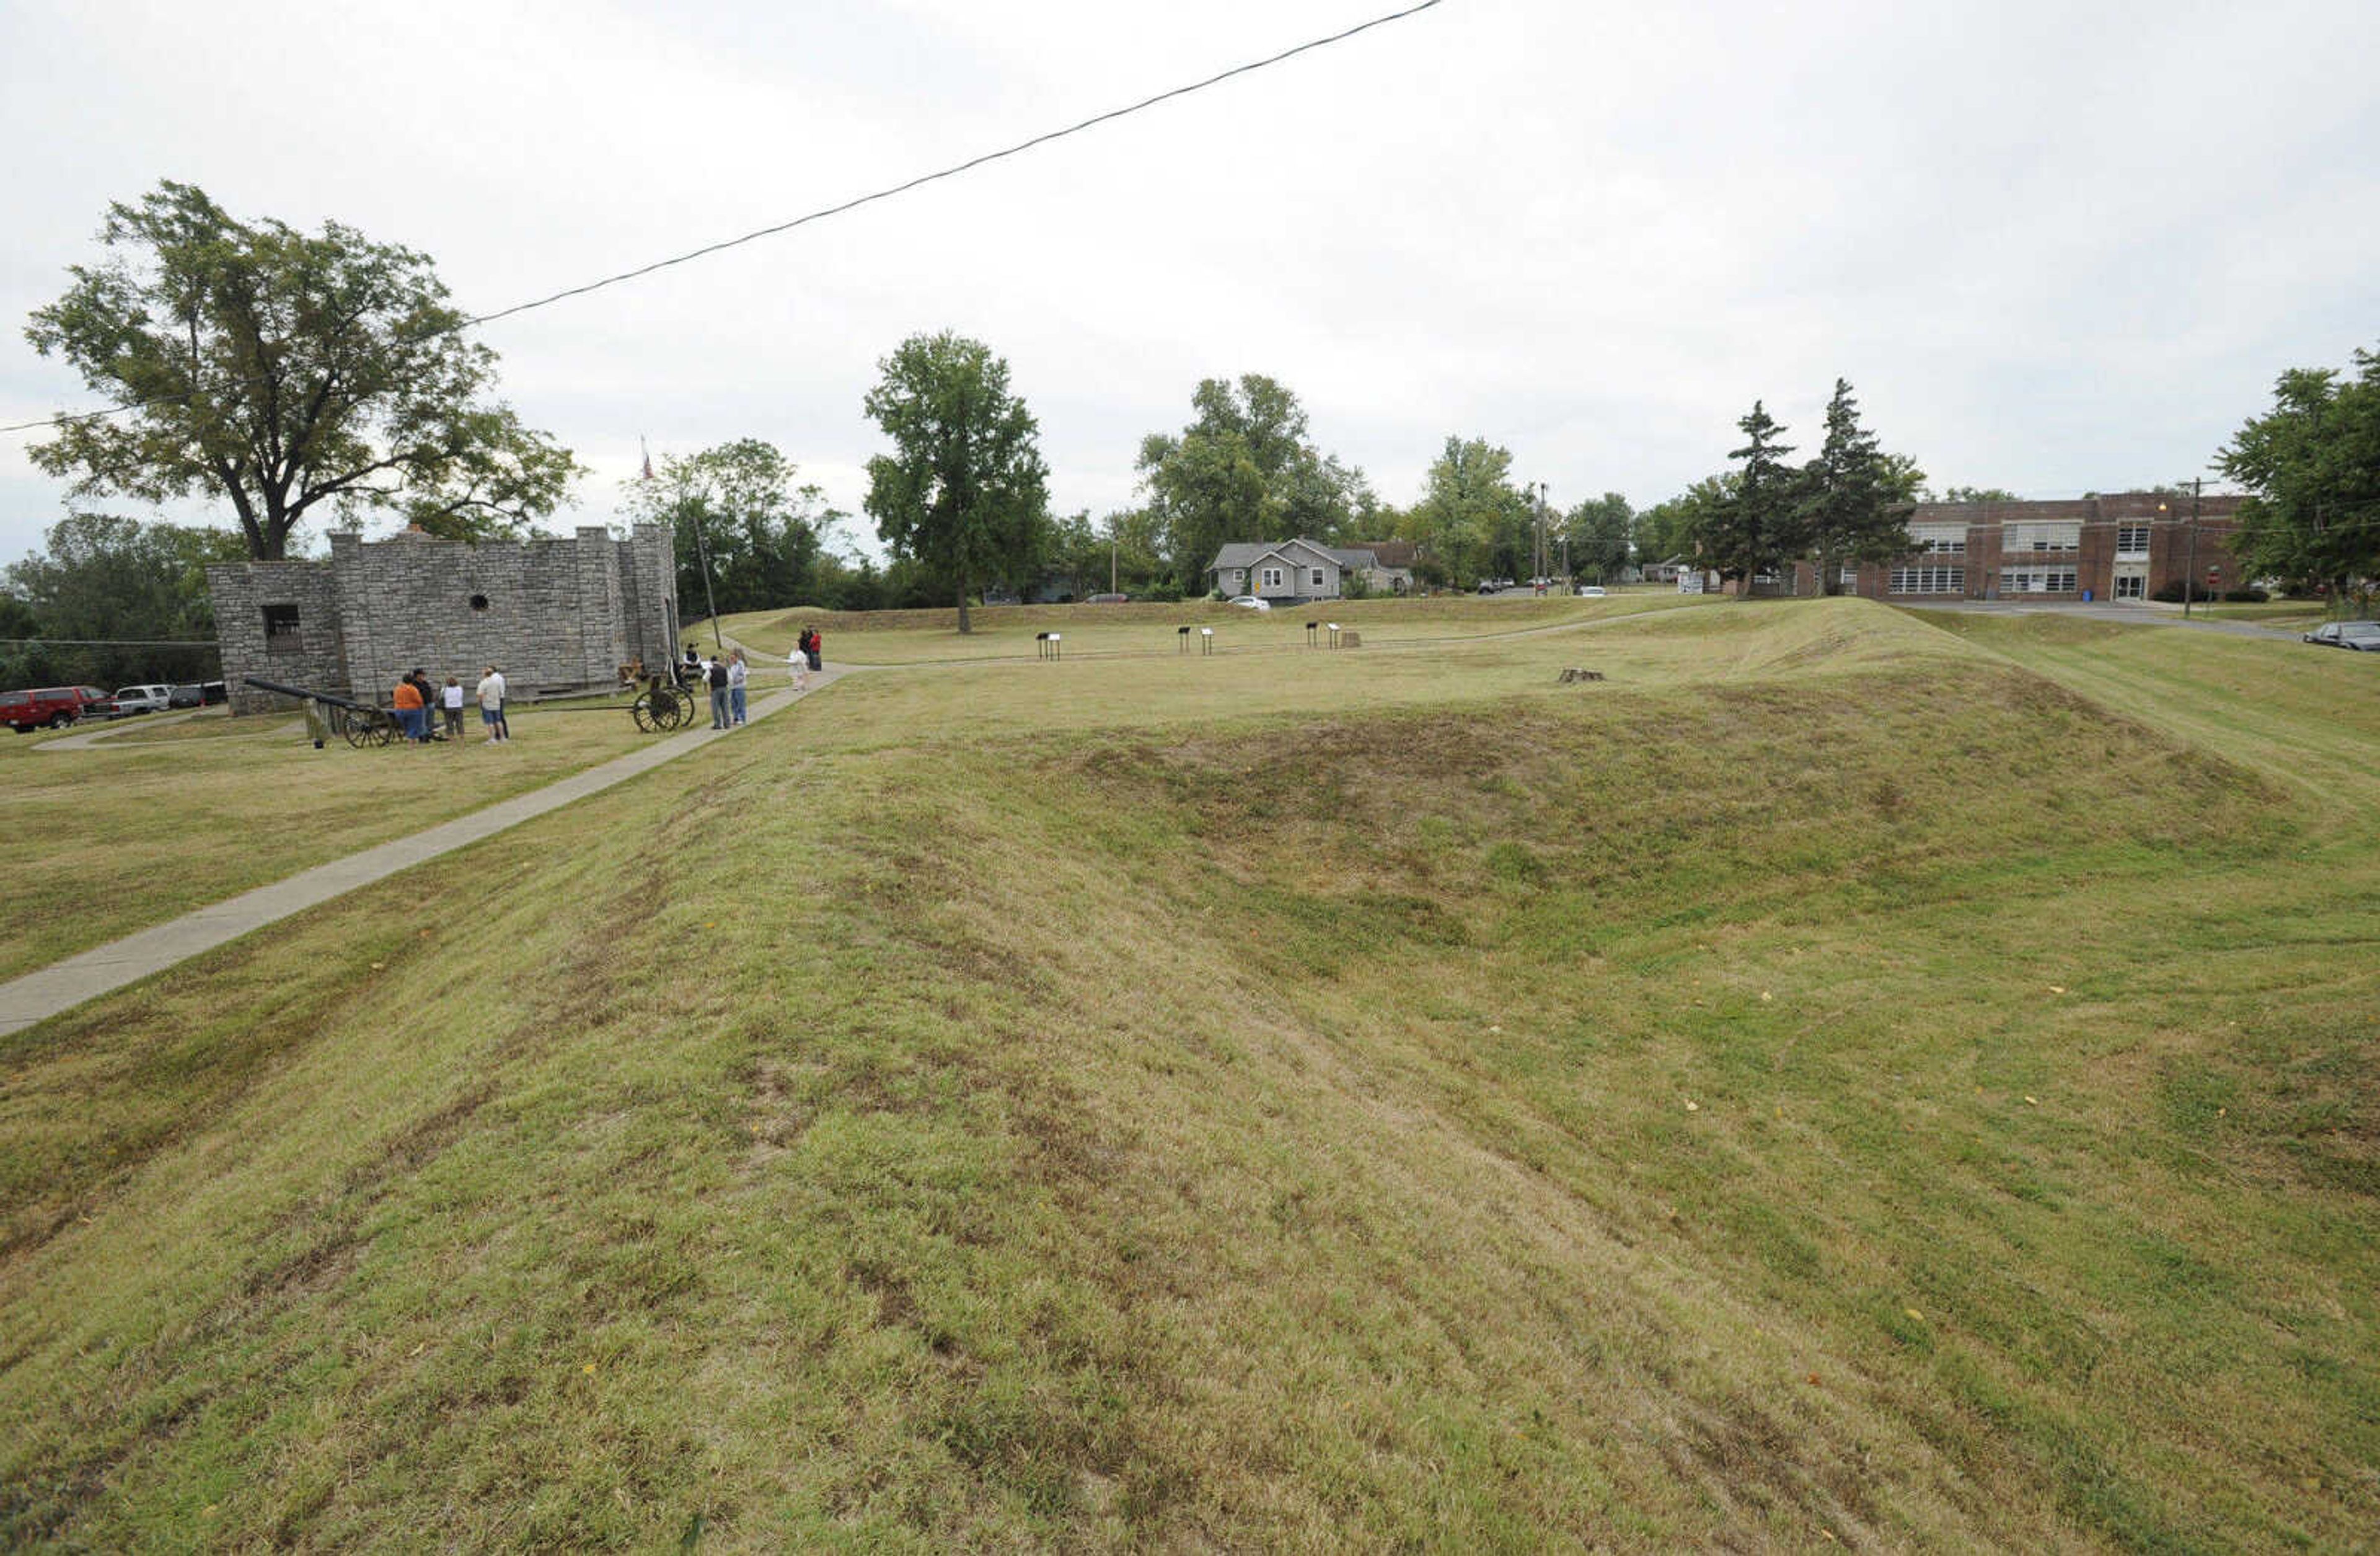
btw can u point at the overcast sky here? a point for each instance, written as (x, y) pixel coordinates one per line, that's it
(2055, 247)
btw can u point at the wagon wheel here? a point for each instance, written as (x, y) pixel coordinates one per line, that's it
(371, 726)
(354, 727)
(684, 706)
(653, 714)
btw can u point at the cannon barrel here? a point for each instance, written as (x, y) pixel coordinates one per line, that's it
(260, 684)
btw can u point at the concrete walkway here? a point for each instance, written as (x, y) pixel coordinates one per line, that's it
(64, 985)
(83, 740)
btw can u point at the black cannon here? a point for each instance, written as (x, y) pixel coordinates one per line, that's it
(359, 723)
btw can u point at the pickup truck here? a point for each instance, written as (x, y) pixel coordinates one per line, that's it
(56, 707)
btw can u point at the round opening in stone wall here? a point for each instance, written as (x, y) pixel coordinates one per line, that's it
(479, 602)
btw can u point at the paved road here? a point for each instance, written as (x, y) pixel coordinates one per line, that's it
(63, 985)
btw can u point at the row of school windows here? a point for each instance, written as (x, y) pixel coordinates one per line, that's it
(1948, 540)
(2013, 580)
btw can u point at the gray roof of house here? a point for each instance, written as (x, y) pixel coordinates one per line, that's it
(1246, 554)
(1242, 554)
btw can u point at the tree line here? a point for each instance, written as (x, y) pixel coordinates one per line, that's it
(325, 377)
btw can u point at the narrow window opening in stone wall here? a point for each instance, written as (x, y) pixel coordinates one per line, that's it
(479, 602)
(280, 629)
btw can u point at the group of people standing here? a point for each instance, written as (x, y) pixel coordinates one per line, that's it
(416, 699)
(729, 679)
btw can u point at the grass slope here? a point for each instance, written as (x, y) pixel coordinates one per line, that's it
(1151, 628)
(1826, 1084)
(142, 827)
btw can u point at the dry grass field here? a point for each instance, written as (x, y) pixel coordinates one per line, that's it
(1841, 1080)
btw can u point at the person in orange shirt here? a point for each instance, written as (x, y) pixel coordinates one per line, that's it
(409, 708)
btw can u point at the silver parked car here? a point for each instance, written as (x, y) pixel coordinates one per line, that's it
(2361, 636)
(142, 700)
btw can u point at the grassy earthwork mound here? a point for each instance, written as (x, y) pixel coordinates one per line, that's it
(1834, 1080)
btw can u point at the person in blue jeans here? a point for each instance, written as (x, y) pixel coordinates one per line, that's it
(718, 678)
(736, 675)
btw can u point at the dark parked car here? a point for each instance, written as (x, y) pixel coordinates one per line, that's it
(2362, 636)
(190, 695)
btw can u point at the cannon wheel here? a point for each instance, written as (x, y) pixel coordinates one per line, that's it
(366, 726)
(655, 713)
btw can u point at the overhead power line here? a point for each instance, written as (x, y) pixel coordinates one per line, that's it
(114, 642)
(820, 215)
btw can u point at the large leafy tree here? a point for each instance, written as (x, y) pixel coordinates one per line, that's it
(1246, 469)
(1472, 521)
(113, 601)
(2311, 466)
(281, 372)
(1670, 530)
(1753, 530)
(1601, 534)
(963, 492)
(741, 506)
(1847, 510)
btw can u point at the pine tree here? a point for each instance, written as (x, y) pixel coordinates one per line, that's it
(1750, 531)
(1844, 514)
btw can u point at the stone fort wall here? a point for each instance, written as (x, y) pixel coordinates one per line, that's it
(555, 616)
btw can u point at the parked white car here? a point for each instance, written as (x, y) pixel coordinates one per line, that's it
(1249, 602)
(1590, 591)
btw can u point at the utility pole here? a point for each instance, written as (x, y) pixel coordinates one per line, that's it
(702, 550)
(1538, 564)
(2190, 578)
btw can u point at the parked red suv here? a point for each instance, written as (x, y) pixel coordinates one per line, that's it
(57, 707)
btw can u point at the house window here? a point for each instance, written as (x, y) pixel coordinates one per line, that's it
(2038, 581)
(1848, 577)
(1273, 577)
(280, 629)
(1318, 577)
(1239, 574)
(2132, 541)
(1938, 539)
(1929, 580)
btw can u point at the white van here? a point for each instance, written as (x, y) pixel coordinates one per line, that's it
(142, 700)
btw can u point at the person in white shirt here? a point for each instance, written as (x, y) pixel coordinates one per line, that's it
(492, 705)
(450, 699)
(737, 674)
